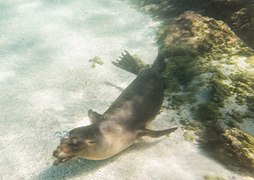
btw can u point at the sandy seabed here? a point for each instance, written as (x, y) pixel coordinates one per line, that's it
(48, 85)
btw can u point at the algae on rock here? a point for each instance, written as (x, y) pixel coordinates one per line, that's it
(207, 62)
(239, 145)
(210, 72)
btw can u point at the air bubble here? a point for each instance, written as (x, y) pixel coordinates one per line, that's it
(58, 135)
(66, 134)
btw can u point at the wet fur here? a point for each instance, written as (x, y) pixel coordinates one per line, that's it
(122, 123)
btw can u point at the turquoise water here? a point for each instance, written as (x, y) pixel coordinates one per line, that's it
(48, 84)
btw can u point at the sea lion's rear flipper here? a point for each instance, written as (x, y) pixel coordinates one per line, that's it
(94, 116)
(155, 134)
(129, 63)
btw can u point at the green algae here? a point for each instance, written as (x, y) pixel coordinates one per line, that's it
(205, 56)
(189, 136)
(214, 177)
(183, 68)
(250, 102)
(174, 101)
(237, 116)
(250, 60)
(96, 61)
(208, 113)
(192, 129)
(240, 145)
(244, 87)
(193, 126)
(220, 91)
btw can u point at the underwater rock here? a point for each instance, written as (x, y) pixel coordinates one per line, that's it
(239, 145)
(233, 147)
(208, 68)
(238, 14)
(210, 72)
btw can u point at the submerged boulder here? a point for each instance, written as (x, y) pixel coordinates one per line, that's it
(238, 14)
(210, 73)
(238, 145)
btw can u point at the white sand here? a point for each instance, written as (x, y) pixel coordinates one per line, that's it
(48, 85)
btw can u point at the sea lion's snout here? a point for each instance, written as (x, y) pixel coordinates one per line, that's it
(61, 156)
(63, 152)
(61, 159)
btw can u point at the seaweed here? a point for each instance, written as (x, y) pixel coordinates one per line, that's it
(214, 177)
(95, 61)
(189, 136)
(208, 112)
(219, 90)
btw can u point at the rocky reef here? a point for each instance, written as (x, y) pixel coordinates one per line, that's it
(211, 68)
(210, 73)
(238, 14)
(239, 146)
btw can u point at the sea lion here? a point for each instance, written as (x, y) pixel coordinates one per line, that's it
(122, 123)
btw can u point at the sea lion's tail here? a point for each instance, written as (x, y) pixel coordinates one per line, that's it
(133, 64)
(129, 63)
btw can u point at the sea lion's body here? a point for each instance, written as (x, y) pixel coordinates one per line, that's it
(121, 124)
(139, 102)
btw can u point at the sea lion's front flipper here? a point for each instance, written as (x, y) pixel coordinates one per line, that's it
(129, 63)
(94, 116)
(155, 134)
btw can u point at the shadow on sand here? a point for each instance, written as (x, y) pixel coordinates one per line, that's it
(77, 167)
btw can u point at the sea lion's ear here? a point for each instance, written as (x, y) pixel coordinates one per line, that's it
(94, 116)
(155, 134)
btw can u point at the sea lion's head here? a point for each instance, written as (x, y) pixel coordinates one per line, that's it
(86, 142)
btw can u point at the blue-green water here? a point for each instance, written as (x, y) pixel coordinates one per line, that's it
(47, 84)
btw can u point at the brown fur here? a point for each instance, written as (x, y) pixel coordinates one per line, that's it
(122, 123)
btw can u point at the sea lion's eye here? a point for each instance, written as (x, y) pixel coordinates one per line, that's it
(90, 141)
